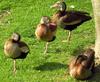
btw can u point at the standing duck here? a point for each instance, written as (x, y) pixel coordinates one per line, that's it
(46, 30)
(15, 49)
(82, 67)
(68, 20)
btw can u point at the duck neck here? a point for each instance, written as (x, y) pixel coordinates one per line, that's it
(63, 7)
(62, 13)
(57, 16)
(15, 41)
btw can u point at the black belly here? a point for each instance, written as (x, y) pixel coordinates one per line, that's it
(72, 27)
(22, 56)
(54, 37)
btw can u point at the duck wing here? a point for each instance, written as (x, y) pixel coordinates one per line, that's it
(88, 64)
(74, 17)
(24, 47)
(24, 50)
(90, 54)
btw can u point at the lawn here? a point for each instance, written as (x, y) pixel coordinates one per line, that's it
(22, 16)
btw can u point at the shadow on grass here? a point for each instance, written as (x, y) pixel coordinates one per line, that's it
(96, 76)
(49, 66)
(78, 51)
(57, 51)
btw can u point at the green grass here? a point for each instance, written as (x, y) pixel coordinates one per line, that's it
(23, 18)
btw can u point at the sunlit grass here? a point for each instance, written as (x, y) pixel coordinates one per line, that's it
(23, 18)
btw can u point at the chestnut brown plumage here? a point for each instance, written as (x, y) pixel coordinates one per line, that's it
(70, 19)
(46, 31)
(82, 66)
(15, 49)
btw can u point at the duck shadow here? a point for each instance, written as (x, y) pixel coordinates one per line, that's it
(50, 66)
(57, 51)
(96, 76)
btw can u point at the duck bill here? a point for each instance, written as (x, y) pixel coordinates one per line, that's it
(54, 6)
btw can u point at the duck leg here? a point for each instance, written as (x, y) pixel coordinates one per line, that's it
(14, 68)
(69, 36)
(46, 48)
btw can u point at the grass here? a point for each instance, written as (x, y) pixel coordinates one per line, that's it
(23, 17)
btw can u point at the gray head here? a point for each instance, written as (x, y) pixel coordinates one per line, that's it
(16, 37)
(60, 5)
(45, 20)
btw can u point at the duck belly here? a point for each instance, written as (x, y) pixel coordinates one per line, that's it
(12, 50)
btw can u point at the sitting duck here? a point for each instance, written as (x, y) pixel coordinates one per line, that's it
(82, 66)
(15, 49)
(46, 31)
(70, 19)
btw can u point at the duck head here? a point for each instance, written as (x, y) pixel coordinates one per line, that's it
(80, 58)
(45, 20)
(15, 37)
(59, 5)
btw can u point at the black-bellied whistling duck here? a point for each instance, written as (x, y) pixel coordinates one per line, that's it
(82, 67)
(15, 49)
(68, 19)
(46, 30)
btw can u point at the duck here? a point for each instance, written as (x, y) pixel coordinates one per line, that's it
(82, 67)
(14, 48)
(46, 31)
(68, 19)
